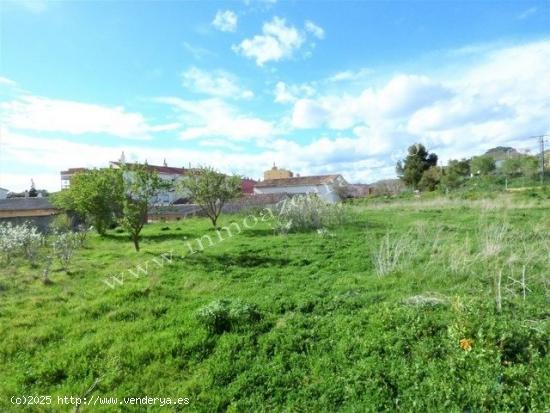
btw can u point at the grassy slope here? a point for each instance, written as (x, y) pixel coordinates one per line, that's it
(334, 335)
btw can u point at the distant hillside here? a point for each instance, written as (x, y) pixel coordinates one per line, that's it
(502, 152)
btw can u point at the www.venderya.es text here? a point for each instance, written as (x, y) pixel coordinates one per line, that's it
(97, 400)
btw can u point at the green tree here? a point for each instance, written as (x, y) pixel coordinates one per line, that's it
(511, 167)
(455, 173)
(413, 166)
(482, 165)
(95, 195)
(211, 190)
(526, 166)
(141, 184)
(530, 166)
(430, 179)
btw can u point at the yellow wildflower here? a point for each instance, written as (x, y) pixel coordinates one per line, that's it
(466, 344)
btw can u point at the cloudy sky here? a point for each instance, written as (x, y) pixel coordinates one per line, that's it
(317, 87)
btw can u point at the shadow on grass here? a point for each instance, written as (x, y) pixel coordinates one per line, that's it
(258, 232)
(243, 260)
(123, 237)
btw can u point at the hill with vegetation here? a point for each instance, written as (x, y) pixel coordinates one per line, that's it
(501, 153)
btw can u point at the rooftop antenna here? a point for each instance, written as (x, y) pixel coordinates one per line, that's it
(122, 158)
(165, 164)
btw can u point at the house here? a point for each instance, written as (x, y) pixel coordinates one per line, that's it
(168, 174)
(328, 187)
(67, 175)
(37, 210)
(3, 193)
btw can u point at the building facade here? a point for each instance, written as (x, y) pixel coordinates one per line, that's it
(276, 173)
(38, 211)
(327, 187)
(67, 175)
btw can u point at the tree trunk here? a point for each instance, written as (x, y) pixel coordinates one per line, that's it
(136, 242)
(214, 220)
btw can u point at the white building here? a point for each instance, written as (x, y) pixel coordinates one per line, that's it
(3, 193)
(326, 186)
(169, 174)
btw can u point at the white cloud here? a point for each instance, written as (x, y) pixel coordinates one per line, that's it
(239, 128)
(277, 41)
(213, 118)
(51, 115)
(217, 83)
(285, 93)
(404, 94)
(401, 96)
(4, 81)
(350, 75)
(226, 21)
(308, 114)
(198, 53)
(312, 28)
(526, 13)
(506, 97)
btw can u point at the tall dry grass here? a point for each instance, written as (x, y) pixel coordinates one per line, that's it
(511, 259)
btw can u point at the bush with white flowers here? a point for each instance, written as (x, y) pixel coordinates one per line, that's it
(21, 239)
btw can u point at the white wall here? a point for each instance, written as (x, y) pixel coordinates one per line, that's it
(326, 192)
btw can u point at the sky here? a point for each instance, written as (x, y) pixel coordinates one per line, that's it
(317, 87)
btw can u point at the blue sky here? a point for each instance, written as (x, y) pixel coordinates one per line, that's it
(317, 87)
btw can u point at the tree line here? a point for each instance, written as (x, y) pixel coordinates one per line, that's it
(419, 169)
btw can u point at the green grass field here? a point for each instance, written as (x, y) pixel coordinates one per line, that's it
(398, 310)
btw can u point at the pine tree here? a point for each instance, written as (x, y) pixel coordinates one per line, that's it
(418, 160)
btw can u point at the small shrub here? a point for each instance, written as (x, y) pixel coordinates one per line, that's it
(223, 315)
(64, 245)
(60, 223)
(306, 213)
(425, 301)
(215, 316)
(82, 234)
(46, 270)
(242, 314)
